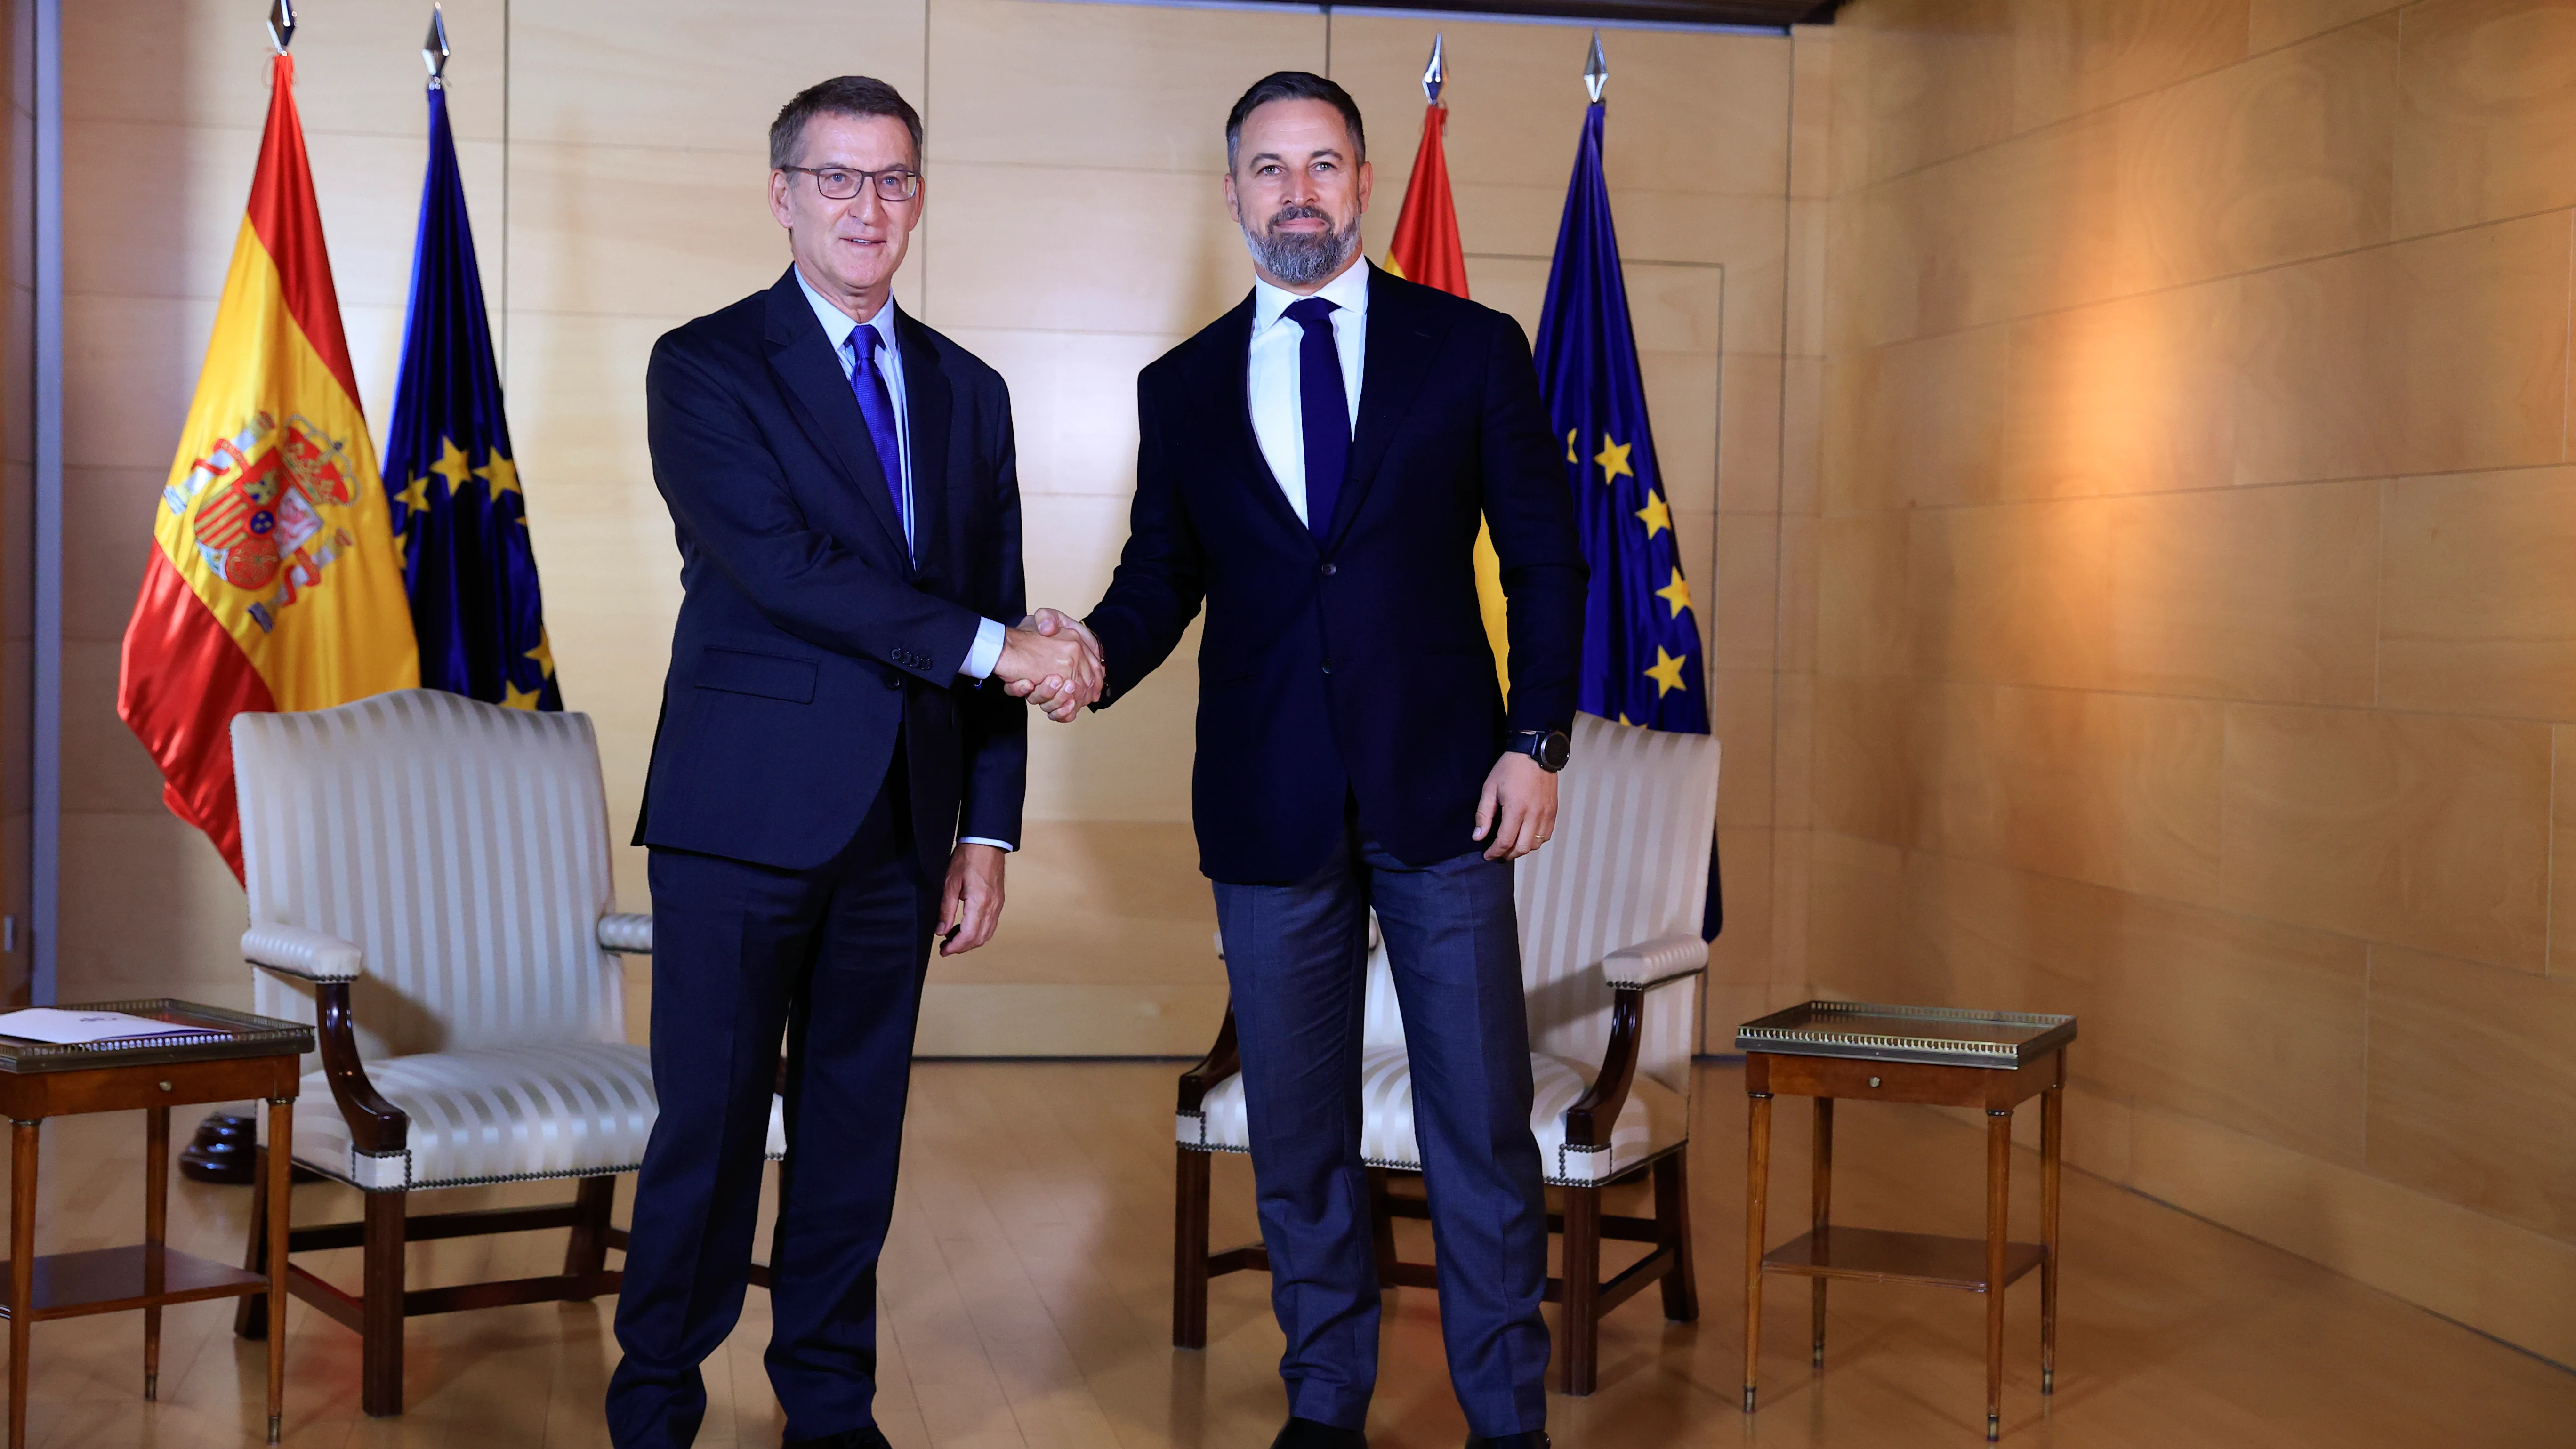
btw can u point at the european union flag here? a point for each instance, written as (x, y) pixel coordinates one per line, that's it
(459, 517)
(1641, 654)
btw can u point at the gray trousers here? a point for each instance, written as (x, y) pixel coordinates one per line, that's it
(1297, 957)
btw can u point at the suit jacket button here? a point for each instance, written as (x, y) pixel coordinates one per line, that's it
(1328, 666)
(1328, 571)
(893, 680)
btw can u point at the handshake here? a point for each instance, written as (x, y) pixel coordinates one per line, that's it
(1053, 662)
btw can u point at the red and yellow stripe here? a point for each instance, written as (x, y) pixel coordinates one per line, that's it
(1426, 249)
(273, 583)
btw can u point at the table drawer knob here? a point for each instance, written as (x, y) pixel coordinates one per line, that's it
(1872, 1081)
(165, 1086)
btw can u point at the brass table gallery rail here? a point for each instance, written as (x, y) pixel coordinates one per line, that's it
(1991, 1060)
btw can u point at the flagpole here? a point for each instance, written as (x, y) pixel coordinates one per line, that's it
(434, 50)
(45, 845)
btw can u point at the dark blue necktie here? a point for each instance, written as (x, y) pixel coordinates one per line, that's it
(1325, 410)
(876, 404)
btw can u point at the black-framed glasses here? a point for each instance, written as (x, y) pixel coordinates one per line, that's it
(840, 183)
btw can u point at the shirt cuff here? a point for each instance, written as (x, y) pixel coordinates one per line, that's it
(1000, 845)
(986, 653)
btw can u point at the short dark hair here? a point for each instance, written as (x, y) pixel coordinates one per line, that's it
(1294, 85)
(842, 95)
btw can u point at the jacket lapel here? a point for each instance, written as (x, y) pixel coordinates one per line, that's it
(928, 403)
(802, 357)
(1233, 342)
(1403, 338)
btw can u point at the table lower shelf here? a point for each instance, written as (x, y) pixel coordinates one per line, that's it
(1878, 1256)
(111, 1280)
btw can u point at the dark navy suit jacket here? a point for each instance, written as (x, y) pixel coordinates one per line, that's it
(808, 641)
(1355, 668)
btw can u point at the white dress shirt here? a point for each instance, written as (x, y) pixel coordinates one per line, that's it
(1272, 379)
(879, 329)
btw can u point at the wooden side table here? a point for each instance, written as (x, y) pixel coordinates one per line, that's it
(1989, 1060)
(229, 1056)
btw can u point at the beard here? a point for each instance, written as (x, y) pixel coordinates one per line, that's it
(1302, 259)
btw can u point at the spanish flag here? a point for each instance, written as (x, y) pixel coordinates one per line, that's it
(272, 583)
(1426, 249)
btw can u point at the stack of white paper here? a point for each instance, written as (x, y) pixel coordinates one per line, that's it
(57, 1027)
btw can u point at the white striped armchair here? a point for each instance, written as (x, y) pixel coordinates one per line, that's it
(429, 885)
(1611, 961)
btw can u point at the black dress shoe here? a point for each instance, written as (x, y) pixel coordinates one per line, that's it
(1311, 1434)
(867, 1438)
(1527, 1439)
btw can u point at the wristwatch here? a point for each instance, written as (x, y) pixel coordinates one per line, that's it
(1549, 747)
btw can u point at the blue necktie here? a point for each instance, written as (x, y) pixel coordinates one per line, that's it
(1325, 410)
(876, 404)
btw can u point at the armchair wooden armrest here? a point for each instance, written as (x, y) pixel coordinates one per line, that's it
(376, 1126)
(330, 964)
(1589, 1121)
(1221, 1062)
(1631, 972)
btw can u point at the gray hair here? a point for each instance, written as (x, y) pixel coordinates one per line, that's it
(842, 95)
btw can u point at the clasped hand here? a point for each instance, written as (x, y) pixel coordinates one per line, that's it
(1054, 662)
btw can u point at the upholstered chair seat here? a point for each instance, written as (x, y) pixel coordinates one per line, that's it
(505, 1114)
(1654, 1119)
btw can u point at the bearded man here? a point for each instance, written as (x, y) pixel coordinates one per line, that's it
(1313, 467)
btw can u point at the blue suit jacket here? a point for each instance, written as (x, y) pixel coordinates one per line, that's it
(1355, 667)
(807, 639)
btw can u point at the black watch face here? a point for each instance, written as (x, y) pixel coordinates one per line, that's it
(1553, 749)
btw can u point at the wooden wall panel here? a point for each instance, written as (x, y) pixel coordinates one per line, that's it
(2073, 56)
(2189, 606)
(2487, 128)
(2446, 1029)
(2297, 142)
(2476, 610)
(2439, 355)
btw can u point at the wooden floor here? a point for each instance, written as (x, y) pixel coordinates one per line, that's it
(1026, 1304)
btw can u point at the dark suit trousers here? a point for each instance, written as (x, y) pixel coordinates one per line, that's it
(1297, 958)
(834, 956)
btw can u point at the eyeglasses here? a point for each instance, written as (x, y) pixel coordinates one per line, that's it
(840, 183)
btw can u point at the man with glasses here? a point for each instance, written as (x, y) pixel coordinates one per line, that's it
(837, 775)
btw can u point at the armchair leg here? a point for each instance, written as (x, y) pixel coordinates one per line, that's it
(1190, 1249)
(1582, 1316)
(588, 1250)
(381, 1307)
(1382, 1222)
(1672, 1230)
(250, 1315)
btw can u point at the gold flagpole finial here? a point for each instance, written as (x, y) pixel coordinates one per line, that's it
(1433, 77)
(434, 51)
(281, 24)
(1596, 71)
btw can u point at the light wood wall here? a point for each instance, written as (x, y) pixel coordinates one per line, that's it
(613, 158)
(2196, 641)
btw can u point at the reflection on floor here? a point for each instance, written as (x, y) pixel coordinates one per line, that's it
(1027, 1304)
